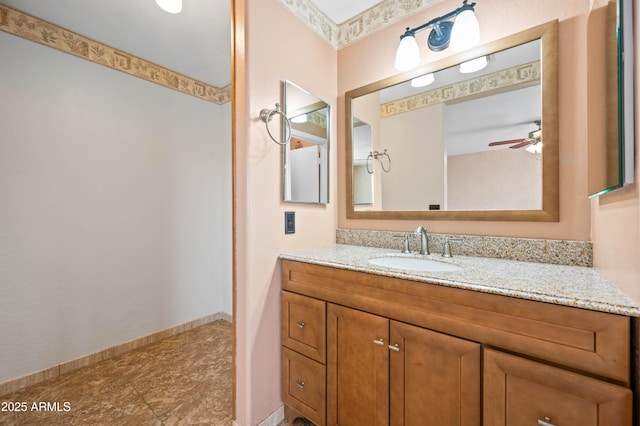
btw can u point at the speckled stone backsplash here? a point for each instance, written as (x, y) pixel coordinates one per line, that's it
(559, 252)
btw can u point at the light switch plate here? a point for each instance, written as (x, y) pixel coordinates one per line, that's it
(289, 222)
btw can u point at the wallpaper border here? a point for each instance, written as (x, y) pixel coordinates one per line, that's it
(520, 76)
(29, 27)
(366, 23)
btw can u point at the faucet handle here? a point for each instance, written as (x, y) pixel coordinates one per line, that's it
(405, 243)
(446, 252)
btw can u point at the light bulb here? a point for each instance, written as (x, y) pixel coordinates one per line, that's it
(535, 148)
(473, 65)
(408, 54)
(423, 80)
(171, 6)
(299, 119)
(466, 31)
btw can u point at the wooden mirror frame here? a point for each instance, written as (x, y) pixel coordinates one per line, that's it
(548, 34)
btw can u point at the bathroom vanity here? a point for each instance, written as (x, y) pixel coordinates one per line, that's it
(495, 342)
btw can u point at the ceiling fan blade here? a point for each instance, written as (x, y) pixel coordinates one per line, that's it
(506, 142)
(521, 144)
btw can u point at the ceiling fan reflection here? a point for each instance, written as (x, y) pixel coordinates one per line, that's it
(533, 140)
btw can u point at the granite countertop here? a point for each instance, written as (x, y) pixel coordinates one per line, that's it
(575, 286)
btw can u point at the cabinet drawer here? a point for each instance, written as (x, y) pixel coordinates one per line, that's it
(304, 325)
(518, 391)
(304, 385)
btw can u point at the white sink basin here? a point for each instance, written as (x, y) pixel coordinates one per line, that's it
(414, 264)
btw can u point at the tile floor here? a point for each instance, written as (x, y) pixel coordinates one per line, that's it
(181, 380)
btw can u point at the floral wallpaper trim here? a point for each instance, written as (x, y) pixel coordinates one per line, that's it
(368, 22)
(31, 28)
(521, 75)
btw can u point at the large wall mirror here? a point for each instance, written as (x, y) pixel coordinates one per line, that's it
(452, 142)
(306, 156)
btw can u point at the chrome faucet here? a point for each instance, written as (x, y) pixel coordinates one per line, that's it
(424, 239)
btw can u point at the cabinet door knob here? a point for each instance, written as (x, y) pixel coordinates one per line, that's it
(395, 347)
(300, 385)
(300, 325)
(379, 342)
(545, 422)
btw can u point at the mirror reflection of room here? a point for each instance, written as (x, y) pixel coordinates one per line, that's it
(462, 138)
(306, 156)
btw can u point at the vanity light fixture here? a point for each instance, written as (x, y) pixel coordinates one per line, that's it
(171, 6)
(460, 35)
(473, 65)
(423, 80)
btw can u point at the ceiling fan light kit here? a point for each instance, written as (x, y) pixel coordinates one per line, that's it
(533, 142)
(461, 34)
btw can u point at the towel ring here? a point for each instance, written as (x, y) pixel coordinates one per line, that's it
(267, 114)
(370, 157)
(377, 155)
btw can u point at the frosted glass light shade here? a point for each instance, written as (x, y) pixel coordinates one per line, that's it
(466, 31)
(423, 80)
(171, 6)
(408, 54)
(473, 65)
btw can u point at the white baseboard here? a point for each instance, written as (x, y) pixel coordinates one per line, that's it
(274, 418)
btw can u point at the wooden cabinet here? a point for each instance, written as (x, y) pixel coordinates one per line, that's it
(518, 391)
(382, 372)
(397, 352)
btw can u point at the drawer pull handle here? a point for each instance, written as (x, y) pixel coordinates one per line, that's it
(545, 422)
(379, 342)
(300, 385)
(395, 347)
(300, 325)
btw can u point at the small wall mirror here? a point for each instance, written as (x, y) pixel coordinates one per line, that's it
(611, 140)
(306, 156)
(449, 142)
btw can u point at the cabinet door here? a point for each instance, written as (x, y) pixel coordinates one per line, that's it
(523, 392)
(357, 368)
(434, 378)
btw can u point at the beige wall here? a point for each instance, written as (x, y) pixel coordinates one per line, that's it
(415, 140)
(501, 179)
(372, 59)
(616, 218)
(115, 208)
(278, 47)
